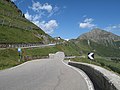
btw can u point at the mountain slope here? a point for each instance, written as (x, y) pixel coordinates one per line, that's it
(101, 37)
(15, 28)
(100, 42)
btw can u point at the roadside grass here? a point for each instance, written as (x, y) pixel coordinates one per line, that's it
(8, 58)
(68, 49)
(103, 62)
(39, 51)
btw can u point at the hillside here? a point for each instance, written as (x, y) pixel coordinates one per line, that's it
(15, 28)
(105, 45)
(101, 42)
(101, 37)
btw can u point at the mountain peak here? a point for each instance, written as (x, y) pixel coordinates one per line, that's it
(98, 31)
(100, 36)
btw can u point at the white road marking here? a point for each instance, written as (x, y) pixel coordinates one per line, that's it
(88, 81)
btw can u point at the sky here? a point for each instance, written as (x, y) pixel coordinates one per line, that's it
(69, 19)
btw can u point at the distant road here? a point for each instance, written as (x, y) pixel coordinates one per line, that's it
(25, 46)
(44, 45)
(44, 74)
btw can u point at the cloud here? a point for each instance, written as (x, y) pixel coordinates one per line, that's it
(13, 0)
(45, 8)
(49, 26)
(37, 6)
(88, 20)
(112, 27)
(53, 12)
(37, 14)
(33, 17)
(67, 39)
(87, 23)
(28, 16)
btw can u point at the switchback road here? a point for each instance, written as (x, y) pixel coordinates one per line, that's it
(45, 74)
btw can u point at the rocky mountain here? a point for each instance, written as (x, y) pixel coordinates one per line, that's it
(101, 37)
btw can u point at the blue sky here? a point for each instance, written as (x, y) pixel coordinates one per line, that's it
(71, 18)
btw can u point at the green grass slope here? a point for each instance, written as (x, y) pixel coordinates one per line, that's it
(15, 35)
(8, 58)
(98, 49)
(105, 56)
(15, 28)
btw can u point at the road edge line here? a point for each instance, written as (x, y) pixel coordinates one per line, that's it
(86, 78)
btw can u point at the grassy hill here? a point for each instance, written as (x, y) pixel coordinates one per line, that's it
(102, 43)
(98, 49)
(105, 46)
(10, 57)
(15, 28)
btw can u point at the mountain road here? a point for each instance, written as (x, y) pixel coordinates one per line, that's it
(43, 74)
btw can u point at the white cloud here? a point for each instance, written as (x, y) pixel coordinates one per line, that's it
(55, 9)
(37, 6)
(67, 39)
(32, 17)
(88, 20)
(87, 23)
(13, 0)
(112, 27)
(28, 16)
(49, 26)
(45, 8)
(39, 12)
(36, 17)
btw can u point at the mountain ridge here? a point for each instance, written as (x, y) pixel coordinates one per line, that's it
(100, 36)
(101, 42)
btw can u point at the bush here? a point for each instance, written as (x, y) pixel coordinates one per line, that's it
(113, 68)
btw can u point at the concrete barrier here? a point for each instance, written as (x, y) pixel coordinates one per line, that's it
(101, 78)
(51, 56)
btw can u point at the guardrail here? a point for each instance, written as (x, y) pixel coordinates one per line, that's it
(27, 58)
(20, 45)
(101, 78)
(27, 45)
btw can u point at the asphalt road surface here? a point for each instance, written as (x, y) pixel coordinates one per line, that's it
(44, 74)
